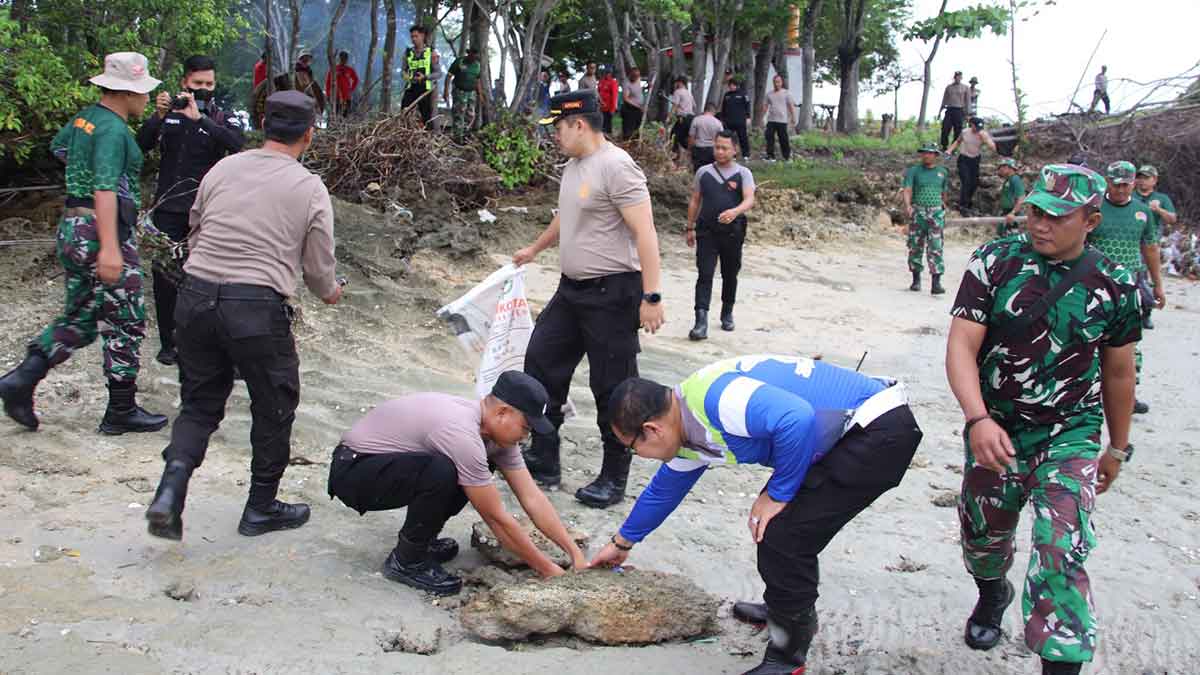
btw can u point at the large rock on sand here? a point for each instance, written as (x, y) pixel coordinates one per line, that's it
(483, 540)
(600, 605)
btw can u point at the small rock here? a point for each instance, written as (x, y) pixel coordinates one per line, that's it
(919, 461)
(418, 638)
(486, 543)
(24, 632)
(947, 499)
(906, 565)
(636, 607)
(954, 468)
(183, 591)
(138, 484)
(45, 553)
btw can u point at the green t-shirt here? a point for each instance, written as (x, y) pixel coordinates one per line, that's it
(1049, 374)
(101, 154)
(1014, 189)
(927, 184)
(465, 74)
(1122, 232)
(1163, 201)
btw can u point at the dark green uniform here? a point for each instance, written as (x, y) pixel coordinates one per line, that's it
(1014, 189)
(929, 216)
(1163, 201)
(466, 75)
(1121, 235)
(1043, 387)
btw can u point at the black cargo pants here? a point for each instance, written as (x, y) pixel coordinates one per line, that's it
(218, 327)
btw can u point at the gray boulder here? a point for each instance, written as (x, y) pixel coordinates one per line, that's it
(599, 605)
(483, 540)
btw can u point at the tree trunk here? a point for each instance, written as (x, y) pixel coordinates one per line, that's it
(389, 53)
(296, 8)
(762, 67)
(808, 66)
(331, 55)
(654, 111)
(622, 57)
(481, 29)
(699, 63)
(267, 49)
(678, 58)
(850, 53)
(927, 74)
(19, 12)
(368, 79)
(536, 29)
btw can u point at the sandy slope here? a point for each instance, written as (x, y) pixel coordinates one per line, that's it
(312, 601)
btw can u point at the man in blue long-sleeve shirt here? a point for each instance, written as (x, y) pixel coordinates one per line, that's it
(836, 439)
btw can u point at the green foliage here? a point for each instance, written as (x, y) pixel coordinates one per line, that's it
(809, 176)
(510, 147)
(968, 22)
(885, 19)
(37, 91)
(906, 139)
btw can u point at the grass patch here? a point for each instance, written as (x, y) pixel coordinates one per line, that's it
(906, 140)
(808, 176)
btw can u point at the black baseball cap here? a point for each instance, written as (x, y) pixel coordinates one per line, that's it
(527, 395)
(574, 103)
(289, 113)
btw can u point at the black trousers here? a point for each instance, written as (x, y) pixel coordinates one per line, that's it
(1097, 97)
(425, 107)
(426, 483)
(721, 243)
(218, 327)
(862, 466)
(607, 122)
(968, 175)
(701, 156)
(952, 120)
(597, 318)
(631, 120)
(743, 138)
(778, 130)
(679, 132)
(175, 226)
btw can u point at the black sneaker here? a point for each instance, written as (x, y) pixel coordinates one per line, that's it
(167, 356)
(423, 575)
(750, 612)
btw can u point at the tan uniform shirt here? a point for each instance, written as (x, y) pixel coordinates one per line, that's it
(971, 143)
(955, 96)
(684, 104)
(594, 240)
(259, 218)
(704, 130)
(779, 104)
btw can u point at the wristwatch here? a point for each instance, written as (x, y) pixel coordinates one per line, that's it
(1122, 456)
(652, 298)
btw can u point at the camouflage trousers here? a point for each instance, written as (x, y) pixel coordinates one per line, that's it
(1056, 472)
(463, 112)
(925, 238)
(116, 313)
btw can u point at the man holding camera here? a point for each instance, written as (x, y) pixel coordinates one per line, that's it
(192, 134)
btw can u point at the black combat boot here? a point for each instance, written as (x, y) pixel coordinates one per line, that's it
(750, 612)
(16, 388)
(983, 627)
(411, 565)
(700, 330)
(727, 317)
(936, 288)
(124, 414)
(167, 356)
(787, 650)
(916, 284)
(1060, 668)
(542, 460)
(264, 513)
(165, 514)
(609, 486)
(443, 550)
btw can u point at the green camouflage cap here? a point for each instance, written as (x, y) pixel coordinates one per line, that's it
(1147, 170)
(1009, 162)
(1062, 188)
(1121, 172)
(928, 147)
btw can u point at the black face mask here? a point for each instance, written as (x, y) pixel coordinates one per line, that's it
(201, 94)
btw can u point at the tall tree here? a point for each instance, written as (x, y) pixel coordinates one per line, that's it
(331, 54)
(852, 19)
(808, 64)
(389, 55)
(369, 73)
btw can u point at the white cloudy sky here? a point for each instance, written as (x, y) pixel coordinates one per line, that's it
(1146, 40)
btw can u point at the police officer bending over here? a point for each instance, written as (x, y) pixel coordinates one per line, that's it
(193, 134)
(259, 219)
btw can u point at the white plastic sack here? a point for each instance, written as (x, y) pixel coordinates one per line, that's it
(492, 323)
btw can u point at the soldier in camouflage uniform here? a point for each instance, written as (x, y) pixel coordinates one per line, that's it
(1032, 396)
(98, 250)
(1129, 236)
(924, 188)
(468, 90)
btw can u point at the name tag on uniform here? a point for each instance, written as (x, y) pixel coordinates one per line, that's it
(173, 120)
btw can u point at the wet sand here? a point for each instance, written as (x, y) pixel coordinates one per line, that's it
(312, 600)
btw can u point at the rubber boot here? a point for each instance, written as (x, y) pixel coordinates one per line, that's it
(787, 650)
(16, 388)
(984, 625)
(700, 330)
(410, 564)
(124, 415)
(1140, 408)
(609, 486)
(750, 612)
(936, 288)
(165, 515)
(916, 284)
(264, 513)
(1060, 668)
(727, 317)
(542, 460)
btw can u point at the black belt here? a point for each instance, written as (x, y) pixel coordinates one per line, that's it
(594, 282)
(230, 291)
(85, 202)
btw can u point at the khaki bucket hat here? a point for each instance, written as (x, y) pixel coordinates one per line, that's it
(126, 71)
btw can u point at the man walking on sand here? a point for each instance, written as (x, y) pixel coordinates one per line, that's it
(433, 453)
(610, 287)
(1039, 356)
(924, 203)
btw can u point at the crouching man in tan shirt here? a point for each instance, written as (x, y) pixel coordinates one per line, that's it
(435, 452)
(259, 221)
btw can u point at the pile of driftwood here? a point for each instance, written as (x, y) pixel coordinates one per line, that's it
(396, 154)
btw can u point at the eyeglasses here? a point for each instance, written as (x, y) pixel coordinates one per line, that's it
(640, 434)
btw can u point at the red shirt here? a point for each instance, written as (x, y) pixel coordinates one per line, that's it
(608, 94)
(347, 82)
(260, 72)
